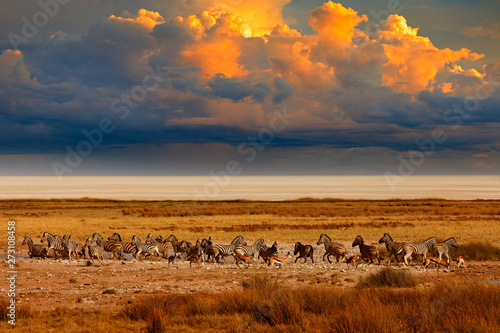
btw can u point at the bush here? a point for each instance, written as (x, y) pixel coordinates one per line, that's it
(388, 277)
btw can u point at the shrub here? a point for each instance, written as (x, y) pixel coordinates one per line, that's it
(388, 277)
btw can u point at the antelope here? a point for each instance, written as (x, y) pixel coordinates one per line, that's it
(278, 261)
(239, 258)
(194, 257)
(460, 261)
(437, 261)
(352, 261)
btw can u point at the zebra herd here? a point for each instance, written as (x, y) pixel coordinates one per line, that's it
(203, 250)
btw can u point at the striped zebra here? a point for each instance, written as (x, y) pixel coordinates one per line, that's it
(409, 249)
(265, 253)
(35, 250)
(176, 245)
(95, 252)
(250, 251)
(331, 248)
(200, 249)
(443, 249)
(186, 247)
(218, 251)
(80, 247)
(111, 246)
(394, 248)
(127, 247)
(163, 247)
(54, 242)
(367, 251)
(72, 246)
(147, 249)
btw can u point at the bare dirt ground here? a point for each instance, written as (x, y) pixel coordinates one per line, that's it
(46, 284)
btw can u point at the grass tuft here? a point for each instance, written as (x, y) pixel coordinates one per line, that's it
(388, 277)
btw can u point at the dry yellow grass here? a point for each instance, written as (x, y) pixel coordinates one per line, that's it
(263, 305)
(299, 220)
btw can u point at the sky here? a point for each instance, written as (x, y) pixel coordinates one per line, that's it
(264, 87)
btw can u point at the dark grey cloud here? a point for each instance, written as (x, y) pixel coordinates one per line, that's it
(284, 90)
(236, 90)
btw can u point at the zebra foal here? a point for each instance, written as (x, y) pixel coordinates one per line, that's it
(95, 252)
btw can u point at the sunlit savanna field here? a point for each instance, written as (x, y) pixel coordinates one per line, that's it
(154, 296)
(289, 221)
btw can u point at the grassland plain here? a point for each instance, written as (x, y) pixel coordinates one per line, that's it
(150, 296)
(287, 221)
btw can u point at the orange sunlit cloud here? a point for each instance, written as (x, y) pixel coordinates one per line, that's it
(334, 23)
(261, 16)
(146, 18)
(413, 60)
(219, 51)
(290, 56)
(409, 62)
(214, 57)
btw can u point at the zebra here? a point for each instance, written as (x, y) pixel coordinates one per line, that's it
(205, 244)
(367, 251)
(250, 251)
(443, 249)
(72, 246)
(35, 250)
(199, 249)
(304, 251)
(422, 249)
(127, 247)
(80, 248)
(331, 248)
(176, 245)
(394, 248)
(218, 251)
(186, 247)
(95, 252)
(265, 253)
(147, 249)
(112, 246)
(54, 242)
(162, 247)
